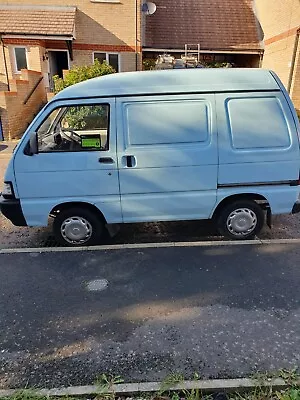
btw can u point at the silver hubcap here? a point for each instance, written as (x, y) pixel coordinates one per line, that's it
(76, 230)
(241, 222)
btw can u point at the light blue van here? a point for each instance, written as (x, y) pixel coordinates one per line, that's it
(219, 144)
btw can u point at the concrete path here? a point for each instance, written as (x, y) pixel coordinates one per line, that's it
(221, 311)
(6, 148)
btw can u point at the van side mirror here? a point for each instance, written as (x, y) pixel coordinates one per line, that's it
(33, 147)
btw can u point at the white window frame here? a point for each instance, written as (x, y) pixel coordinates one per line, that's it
(16, 71)
(107, 54)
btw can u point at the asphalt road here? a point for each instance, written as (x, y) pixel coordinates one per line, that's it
(225, 311)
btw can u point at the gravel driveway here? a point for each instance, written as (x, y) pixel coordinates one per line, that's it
(285, 226)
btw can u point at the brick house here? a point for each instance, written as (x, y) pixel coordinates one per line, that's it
(226, 31)
(40, 36)
(280, 21)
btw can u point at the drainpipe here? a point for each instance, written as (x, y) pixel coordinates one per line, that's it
(5, 63)
(291, 75)
(136, 35)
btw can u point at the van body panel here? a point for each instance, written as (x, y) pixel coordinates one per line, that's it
(180, 206)
(171, 145)
(258, 172)
(161, 180)
(53, 178)
(37, 210)
(258, 141)
(10, 176)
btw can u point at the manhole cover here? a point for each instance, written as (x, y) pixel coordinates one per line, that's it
(97, 285)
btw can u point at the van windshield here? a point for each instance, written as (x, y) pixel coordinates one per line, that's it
(75, 128)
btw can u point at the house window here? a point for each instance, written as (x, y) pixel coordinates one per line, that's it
(112, 59)
(20, 54)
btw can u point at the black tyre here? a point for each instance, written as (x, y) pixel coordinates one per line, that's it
(78, 227)
(241, 220)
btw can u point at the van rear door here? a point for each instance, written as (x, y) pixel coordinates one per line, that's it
(258, 141)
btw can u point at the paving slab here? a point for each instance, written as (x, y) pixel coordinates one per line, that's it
(220, 311)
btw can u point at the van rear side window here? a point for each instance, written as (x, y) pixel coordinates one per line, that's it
(167, 122)
(257, 123)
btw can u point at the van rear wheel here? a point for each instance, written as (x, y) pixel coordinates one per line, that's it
(241, 220)
(78, 227)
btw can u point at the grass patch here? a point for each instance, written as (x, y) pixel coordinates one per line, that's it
(194, 394)
(105, 390)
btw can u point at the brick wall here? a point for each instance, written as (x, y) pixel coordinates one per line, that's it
(277, 16)
(35, 53)
(278, 56)
(85, 57)
(280, 20)
(15, 115)
(295, 89)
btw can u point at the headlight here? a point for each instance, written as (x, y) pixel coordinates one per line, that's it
(8, 191)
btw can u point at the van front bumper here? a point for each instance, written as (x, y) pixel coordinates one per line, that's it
(12, 210)
(296, 207)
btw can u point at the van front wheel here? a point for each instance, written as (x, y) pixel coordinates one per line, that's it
(77, 227)
(241, 220)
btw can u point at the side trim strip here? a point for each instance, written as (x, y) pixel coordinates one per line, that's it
(278, 183)
(182, 93)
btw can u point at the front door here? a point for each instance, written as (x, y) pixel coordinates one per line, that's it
(76, 161)
(58, 62)
(167, 156)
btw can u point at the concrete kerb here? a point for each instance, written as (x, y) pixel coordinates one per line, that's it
(151, 246)
(205, 386)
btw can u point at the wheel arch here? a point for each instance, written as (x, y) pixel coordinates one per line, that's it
(81, 204)
(258, 198)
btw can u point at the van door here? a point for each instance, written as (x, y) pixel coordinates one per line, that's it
(76, 161)
(258, 142)
(167, 157)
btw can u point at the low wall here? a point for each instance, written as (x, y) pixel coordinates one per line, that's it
(15, 115)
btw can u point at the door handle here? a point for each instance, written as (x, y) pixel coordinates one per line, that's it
(130, 161)
(106, 160)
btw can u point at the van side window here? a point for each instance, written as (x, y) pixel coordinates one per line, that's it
(167, 122)
(75, 128)
(257, 123)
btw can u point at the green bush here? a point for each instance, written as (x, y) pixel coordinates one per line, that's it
(148, 64)
(217, 65)
(79, 74)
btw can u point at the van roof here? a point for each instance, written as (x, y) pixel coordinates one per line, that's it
(172, 81)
